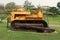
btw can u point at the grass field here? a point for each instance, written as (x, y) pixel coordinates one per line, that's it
(52, 19)
(5, 35)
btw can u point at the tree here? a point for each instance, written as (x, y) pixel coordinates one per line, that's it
(39, 8)
(1, 12)
(53, 10)
(28, 6)
(59, 11)
(1, 8)
(58, 4)
(10, 7)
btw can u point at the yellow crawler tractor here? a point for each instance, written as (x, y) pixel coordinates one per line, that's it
(29, 21)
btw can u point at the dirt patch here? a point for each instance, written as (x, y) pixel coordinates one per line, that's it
(38, 31)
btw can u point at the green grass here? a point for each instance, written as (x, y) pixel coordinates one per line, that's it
(5, 35)
(3, 31)
(52, 19)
